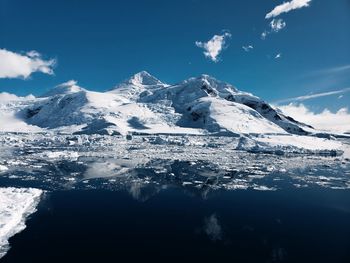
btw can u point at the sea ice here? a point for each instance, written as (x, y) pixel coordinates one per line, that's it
(16, 204)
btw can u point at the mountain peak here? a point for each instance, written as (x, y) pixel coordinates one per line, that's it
(145, 79)
(64, 88)
(208, 78)
(205, 80)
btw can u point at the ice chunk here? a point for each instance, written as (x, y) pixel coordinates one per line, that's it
(60, 155)
(16, 204)
(3, 168)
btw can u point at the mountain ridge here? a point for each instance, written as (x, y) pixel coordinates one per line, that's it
(144, 104)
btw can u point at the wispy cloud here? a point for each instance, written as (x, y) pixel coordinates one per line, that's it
(326, 120)
(247, 48)
(277, 25)
(279, 55)
(313, 96)
(264, 34)
(332, 70)
(214, 46)
(15, 65)
(287, 7)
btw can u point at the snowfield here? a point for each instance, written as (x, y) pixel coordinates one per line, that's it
(16, 204)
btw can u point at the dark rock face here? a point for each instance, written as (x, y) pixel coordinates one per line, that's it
(64, 102)
(276, 117)
(32, 112)
(210, 91)
(230, 98)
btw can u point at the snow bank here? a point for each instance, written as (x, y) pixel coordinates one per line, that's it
(281, 144)
(16, 204)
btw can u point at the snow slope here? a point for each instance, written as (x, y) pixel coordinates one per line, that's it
(15, 205)
(215, 115)
(184, 94)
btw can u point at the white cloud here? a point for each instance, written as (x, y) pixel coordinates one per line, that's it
(277, 25)
(286, 7)
(6, 97)
(33, 54)
(279, 55)
(326, 120)
(14, 65)
(214, 46)
(264, 35)
(247, 48)
(313, 96)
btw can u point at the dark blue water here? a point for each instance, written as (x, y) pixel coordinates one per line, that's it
(177, 225)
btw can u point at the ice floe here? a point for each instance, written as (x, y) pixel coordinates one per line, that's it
(3, 168)
(199, 163)
(16, 204)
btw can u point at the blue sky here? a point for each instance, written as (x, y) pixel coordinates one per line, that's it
(100, 43)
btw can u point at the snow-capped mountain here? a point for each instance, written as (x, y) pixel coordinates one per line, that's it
(206, 99)
(144, 104)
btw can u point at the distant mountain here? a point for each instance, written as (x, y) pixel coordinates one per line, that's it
(144, 104)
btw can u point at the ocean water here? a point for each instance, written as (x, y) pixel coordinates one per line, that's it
(173, 223)
(188, 204)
